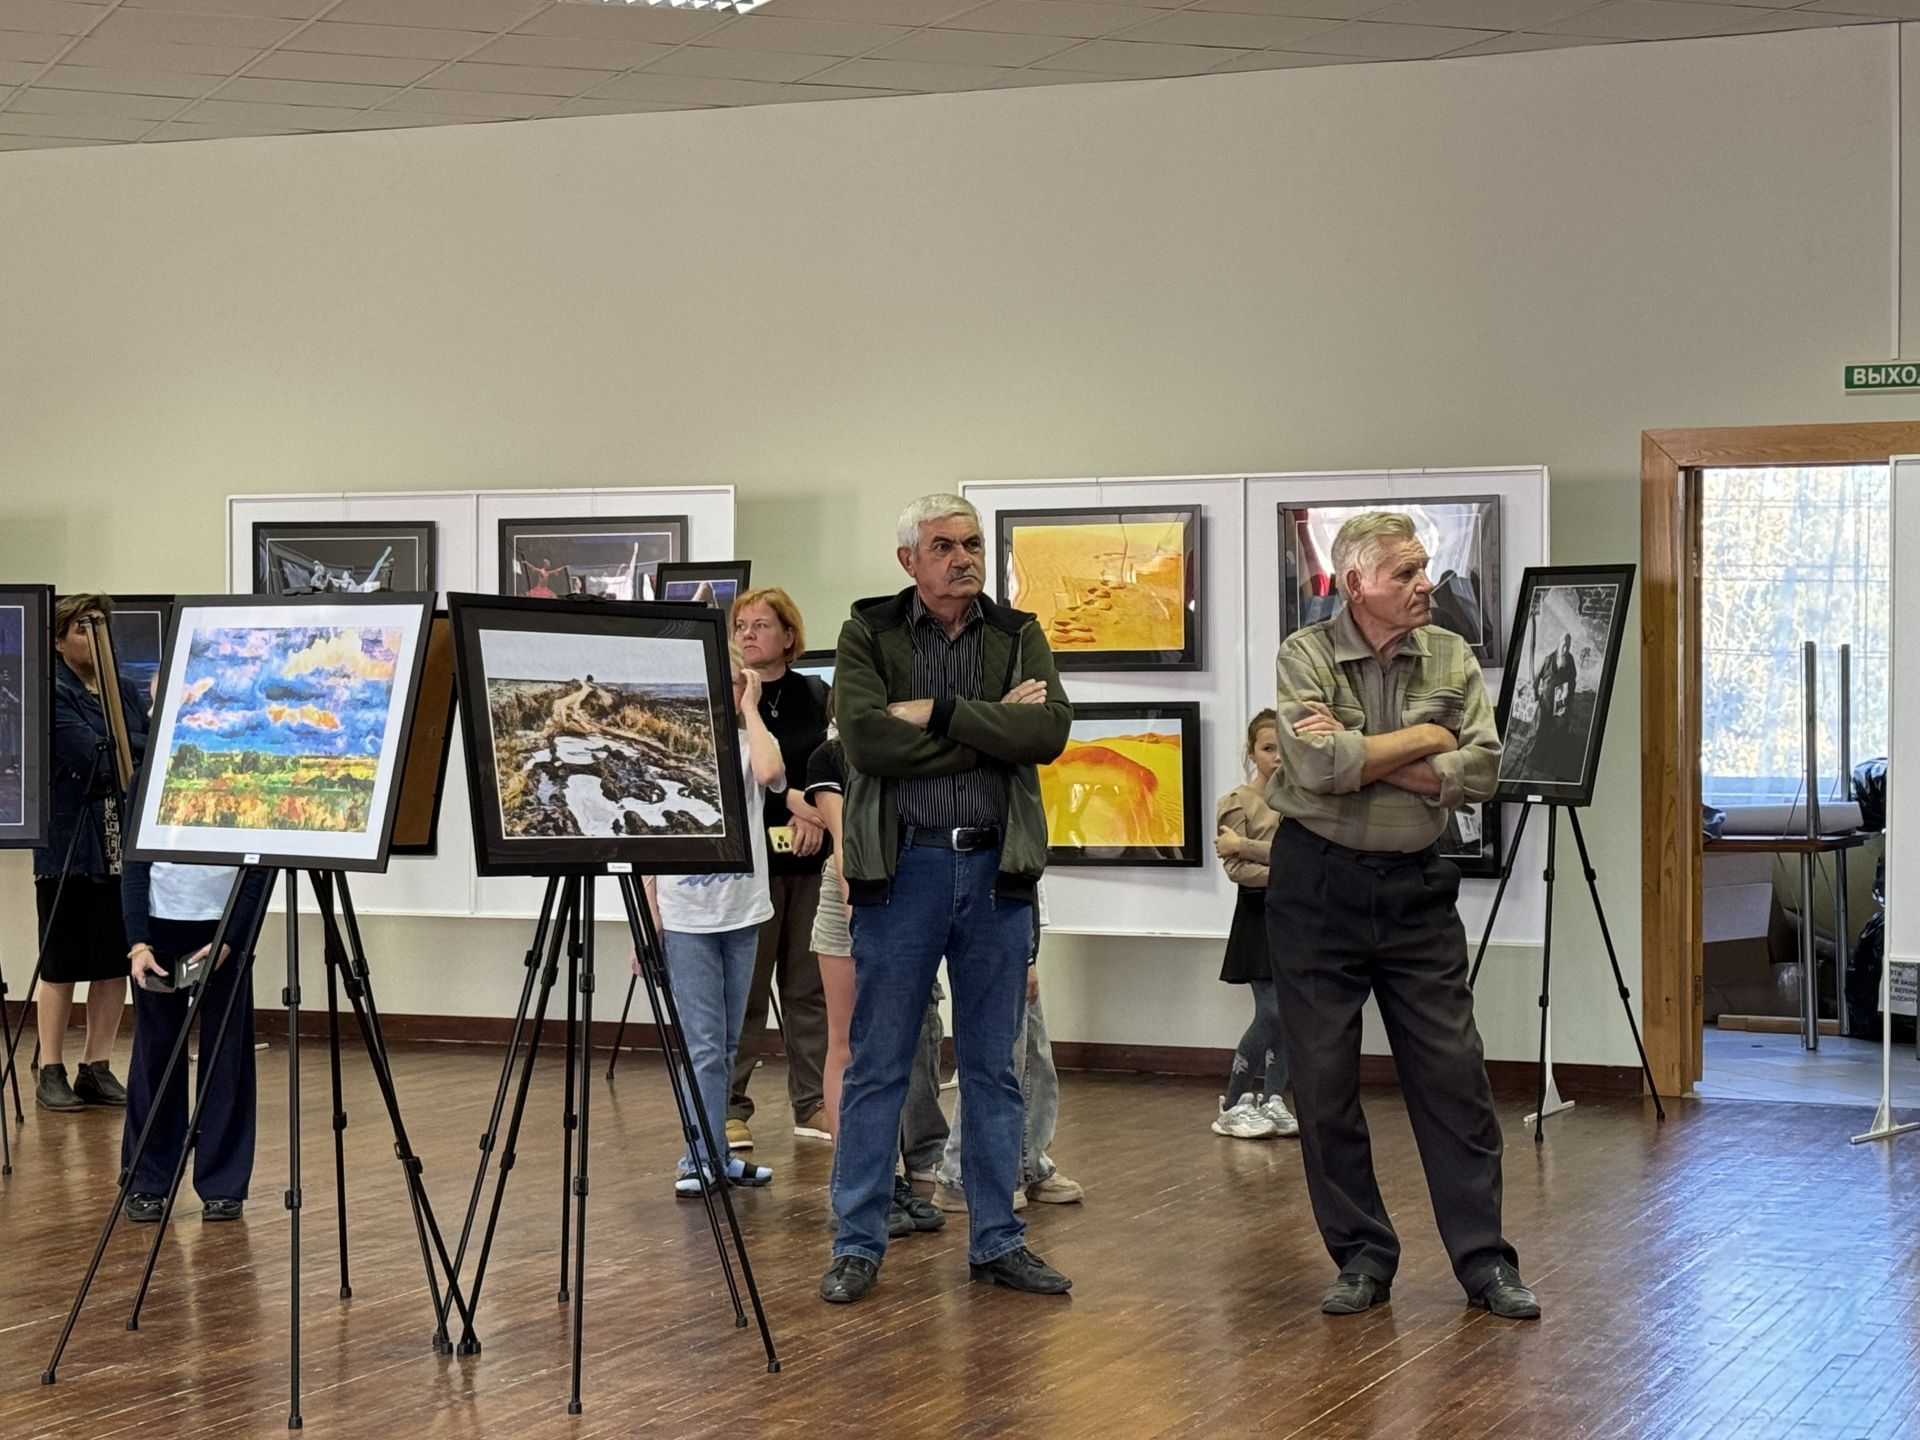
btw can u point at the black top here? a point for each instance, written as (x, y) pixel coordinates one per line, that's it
(944, 669)
(795, 709)
(827, 770)
(79, 755)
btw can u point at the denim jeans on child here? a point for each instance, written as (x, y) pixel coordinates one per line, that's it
(711, 975)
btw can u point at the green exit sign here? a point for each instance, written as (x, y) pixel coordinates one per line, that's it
(1884, 375)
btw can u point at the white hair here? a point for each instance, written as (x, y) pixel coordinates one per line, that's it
(925, 511)
(1361, 539)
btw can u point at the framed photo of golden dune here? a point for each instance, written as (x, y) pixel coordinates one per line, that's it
(1112, 589)
(1126, 790)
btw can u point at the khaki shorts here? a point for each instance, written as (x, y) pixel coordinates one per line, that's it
(830, 933)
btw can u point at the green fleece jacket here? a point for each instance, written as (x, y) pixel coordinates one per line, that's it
(873, 668)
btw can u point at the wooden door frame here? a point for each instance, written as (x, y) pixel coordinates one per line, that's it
(1671, 979)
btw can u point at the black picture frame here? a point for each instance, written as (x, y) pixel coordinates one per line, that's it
(351, 553)
(564, 640)
(1069, 606)
(138, 626)
(251, 699)
(583, 552)
(730, 580)
(26, 714)
(1478, 855)
(423, 773)
(1587, 605)
(817, 663)
(1454, 529)
(1093, 723)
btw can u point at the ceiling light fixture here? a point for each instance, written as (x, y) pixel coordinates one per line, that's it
(740, 7)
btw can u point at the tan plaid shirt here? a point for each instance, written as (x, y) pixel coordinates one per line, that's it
(1431, 679)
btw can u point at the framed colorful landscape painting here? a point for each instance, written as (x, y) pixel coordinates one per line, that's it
(1126, 790)
(280, 730)
(600, 735)
(326, 557)
(1112, 589)
(609, 556)
(26, 705)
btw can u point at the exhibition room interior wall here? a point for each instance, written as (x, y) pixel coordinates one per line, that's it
(833, 307)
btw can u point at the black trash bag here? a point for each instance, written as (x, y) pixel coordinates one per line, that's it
(1863, 986)
(1713, 821)
(1870, 793)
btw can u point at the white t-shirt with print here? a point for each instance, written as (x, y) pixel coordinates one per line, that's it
(710, 904)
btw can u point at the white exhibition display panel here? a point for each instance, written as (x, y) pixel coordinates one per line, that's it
(467, 558)
(1240, 625)
(1903, 726)
(1131, 900)
(1523, 542)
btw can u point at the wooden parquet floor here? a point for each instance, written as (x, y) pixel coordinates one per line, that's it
(1741, 1272)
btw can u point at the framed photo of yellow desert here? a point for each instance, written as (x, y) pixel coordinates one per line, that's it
(1113, 589)
(1126, 790)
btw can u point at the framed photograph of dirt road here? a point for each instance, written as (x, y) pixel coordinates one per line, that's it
(1112, 589)
(599, 735)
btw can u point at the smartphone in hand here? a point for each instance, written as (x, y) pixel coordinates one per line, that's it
(781, 838)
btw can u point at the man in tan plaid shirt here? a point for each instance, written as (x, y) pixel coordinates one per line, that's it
(1385, 730)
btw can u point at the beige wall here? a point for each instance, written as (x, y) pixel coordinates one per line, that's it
(835, 306)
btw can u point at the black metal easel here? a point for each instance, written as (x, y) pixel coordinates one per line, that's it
(566, 921)
(1553, 809)
(346, 966)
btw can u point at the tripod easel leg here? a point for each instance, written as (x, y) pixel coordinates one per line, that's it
(291, 998)
(569, 1119)
(584, 981)
(620, 1031)
(6, 1037)
(1500, 892)
(1546, 974)
(660, 989)
(332, 964)
(1620, 984)
(174, 1060)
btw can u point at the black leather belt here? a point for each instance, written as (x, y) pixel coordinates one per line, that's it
(967, 837)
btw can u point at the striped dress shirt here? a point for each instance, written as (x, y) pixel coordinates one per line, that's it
(944, 668)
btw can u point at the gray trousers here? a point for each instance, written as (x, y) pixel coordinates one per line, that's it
(1039, 1089)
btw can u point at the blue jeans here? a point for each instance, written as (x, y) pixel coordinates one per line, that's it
(1040, 1092)
(711, 975)
(942, 903)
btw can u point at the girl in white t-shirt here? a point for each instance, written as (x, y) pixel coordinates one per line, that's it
(710, 925)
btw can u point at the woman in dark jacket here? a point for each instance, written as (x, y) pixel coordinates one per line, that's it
(84, 937)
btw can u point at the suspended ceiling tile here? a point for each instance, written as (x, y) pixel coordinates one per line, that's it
(566, 50)
(395, 41)
(40, 142)
(1886, 9)
(1123, 57)
(623, 22)
(1390, 42)
(72, 127)
(142, 55)
(1081, 20)
(126, 82)
(1284, 60)
(269, 9)
(306, 92)
(572, 108)
(440, 14)
(1516, 44)
(174, 28)
(793, 94)
(51, 17)
(1651, 20)
(888, 12)
(248, 112)
(19, 72)
(911, 75)
(1801, 20)
(1022, 79)
(39, 101)
(739, 64)
(346, 69)
(32, 48)
(196, 130)
(475, 103)
(1484, 14)
(1311, 9)
(1234, 32)
(686, 89)
(515, 79)
(975, 47)
(385, 119)
(805, 37)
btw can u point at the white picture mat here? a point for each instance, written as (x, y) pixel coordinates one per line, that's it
(1240, 635)
(321, 845)
(1903, 730)
(1145, 900)
(467, 558)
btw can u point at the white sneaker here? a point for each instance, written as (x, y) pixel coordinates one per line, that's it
(811, 1132)
(1275, 1109)
(1245, 1121)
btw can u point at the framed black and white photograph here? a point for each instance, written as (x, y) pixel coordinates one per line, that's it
(1472, 841)
(710, 582)
(280, 729)
(26, 709)
(1558, 680)
(1126, 790)
(299, 557)
(817, 663)
(1113, 589)
(600, 735)
(610, 556)
(1461, 535)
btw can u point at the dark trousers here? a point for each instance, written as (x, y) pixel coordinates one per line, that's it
(223, 1159)
(786, 952)
(1343, 924)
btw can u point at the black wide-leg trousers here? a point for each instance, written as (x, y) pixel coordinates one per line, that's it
(1343, 924)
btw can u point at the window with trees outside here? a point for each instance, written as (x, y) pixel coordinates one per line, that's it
(1790, 554)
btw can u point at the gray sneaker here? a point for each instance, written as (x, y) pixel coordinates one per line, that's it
(95, 1084)
(53, 1092)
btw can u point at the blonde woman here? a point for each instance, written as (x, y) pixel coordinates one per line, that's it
(1247, 825)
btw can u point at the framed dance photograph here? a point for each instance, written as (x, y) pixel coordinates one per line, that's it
(600, 735)
(1461, 535)
(307, 557)
(610, 556)
(1126, 790)
(26, 709)
(1472, 841)
(1113, 589)
(710, 582)
(280, 730)
(1558, 680)
(423, 773)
